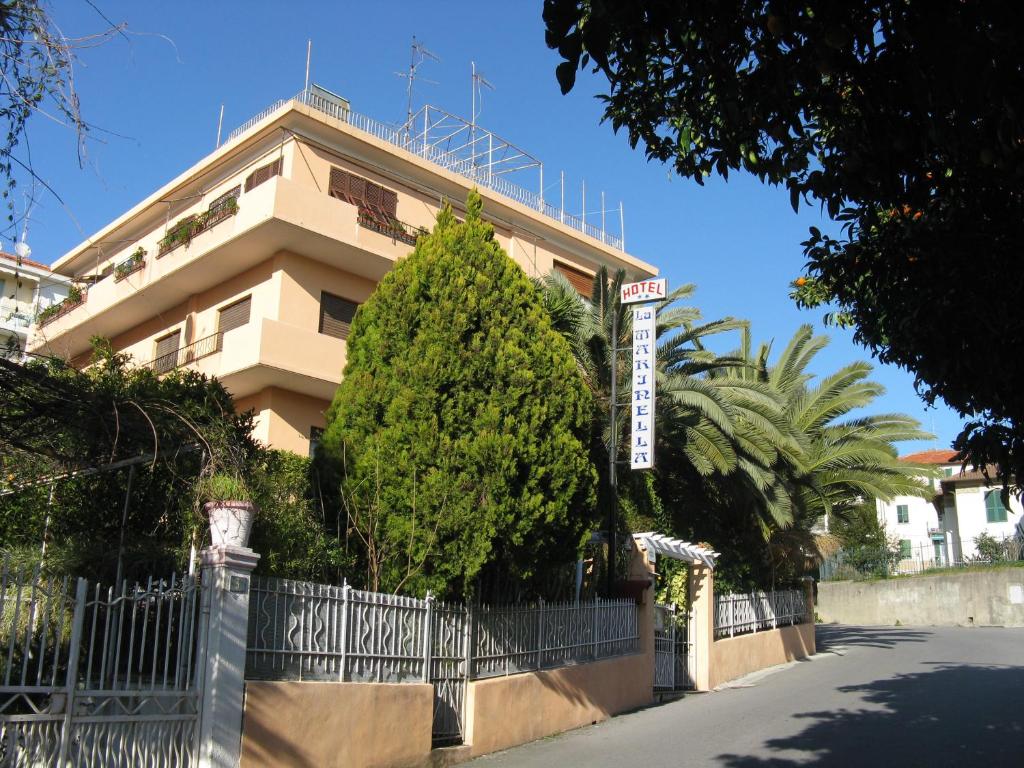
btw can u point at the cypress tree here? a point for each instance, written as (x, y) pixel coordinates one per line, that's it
(461, 423)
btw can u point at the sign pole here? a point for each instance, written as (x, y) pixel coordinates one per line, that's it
(613, 481)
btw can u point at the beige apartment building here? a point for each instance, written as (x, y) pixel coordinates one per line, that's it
(249, 266)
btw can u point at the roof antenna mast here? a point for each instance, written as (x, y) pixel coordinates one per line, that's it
(478, 82)
(418, 53)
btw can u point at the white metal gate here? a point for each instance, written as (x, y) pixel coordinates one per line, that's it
(673, 655)
(98, 677)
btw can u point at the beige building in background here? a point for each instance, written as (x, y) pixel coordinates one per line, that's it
(282, 232)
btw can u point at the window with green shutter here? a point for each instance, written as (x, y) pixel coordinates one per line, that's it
(995, 510)
(902, 513)
(336, 315)
(904, 549)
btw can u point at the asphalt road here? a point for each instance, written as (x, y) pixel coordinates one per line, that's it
(873, 696)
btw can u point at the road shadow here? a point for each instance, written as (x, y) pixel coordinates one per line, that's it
(950, 715)
(831, 636)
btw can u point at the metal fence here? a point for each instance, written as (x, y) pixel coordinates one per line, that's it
(519, 638)
(882, 562)
(304, 631)
(97, 676)
(758, 611)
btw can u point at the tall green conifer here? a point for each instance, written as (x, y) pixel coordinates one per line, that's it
(461, 423)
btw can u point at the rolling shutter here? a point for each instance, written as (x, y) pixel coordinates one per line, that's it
(263, 173)
(167, 353)
(336, 315)
(581, 281)
(234, 315)
(359, 191)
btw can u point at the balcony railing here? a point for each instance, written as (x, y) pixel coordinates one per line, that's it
(15, 314)
(393, 228)
(473, 168)
(75, 298)
(188, 354)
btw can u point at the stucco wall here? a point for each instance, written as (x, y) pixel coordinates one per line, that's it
(734, 657)
(504, 711)
(330, 725)
(987, 598)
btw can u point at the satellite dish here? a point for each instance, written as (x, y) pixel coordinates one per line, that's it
(22, 250)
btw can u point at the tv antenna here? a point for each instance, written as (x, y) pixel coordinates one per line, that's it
(478, 82)
(417, 55)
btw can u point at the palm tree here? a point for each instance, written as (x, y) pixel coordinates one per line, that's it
(845, 459)
(712, 423)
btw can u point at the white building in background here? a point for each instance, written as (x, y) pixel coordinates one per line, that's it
(943, 528)
(26, 288)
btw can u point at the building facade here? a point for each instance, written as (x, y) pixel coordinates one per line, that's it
(26, 289)
(250, 265)
(944, 528)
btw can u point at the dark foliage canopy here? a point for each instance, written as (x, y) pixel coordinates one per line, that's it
(903, 120)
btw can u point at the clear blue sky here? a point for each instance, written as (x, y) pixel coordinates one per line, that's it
(159, 100)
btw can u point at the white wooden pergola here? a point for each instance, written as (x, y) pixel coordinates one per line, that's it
(655, 544)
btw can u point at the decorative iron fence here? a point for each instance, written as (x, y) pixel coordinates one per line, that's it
(882, 562)
(304, 631)
(94, 676)
(519, 638)
(758, 611)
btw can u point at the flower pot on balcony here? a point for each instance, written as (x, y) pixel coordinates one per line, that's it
(230, 522)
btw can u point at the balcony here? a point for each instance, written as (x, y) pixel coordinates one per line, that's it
(15, 317)
(278, 215)
(263, 353)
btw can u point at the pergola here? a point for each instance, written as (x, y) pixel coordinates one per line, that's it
(655, 544)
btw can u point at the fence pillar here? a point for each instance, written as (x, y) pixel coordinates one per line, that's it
(702, 624)
(225, 590)
(641, 568)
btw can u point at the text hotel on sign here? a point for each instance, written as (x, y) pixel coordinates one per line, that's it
(642, 404)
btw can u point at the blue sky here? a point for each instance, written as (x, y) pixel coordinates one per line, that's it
(155, 99)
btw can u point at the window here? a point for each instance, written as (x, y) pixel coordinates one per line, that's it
(263, 173)
(336, 315)
(904, 549)
(362, 192)
(902, 513)
(166, 358)
(316, 435)
(947, 471)
(234, 315)
(3, 288)
(995, 510)
(581, 281)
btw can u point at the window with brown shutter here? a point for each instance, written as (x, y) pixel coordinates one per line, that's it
(336, 315)
(263, 173)
(166, 358)
(234, 315)
(359, 191)
(580, 280)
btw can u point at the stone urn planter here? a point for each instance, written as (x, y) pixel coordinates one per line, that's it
(230, 522)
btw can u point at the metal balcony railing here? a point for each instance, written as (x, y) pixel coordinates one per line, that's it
(188, 354)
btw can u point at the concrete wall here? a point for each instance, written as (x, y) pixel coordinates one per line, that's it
(734, 657)
(502, 712)
(987, 598)
(324, 725)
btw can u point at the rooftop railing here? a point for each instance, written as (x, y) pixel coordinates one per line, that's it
(473, 167)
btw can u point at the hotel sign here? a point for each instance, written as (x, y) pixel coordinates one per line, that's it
(641, 451)
(648, 290)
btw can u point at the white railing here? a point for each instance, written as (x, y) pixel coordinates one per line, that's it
(478, 174)
(758, 611)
